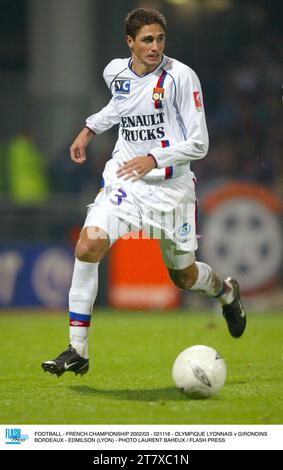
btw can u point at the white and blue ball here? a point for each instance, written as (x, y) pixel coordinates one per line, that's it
(199, 371)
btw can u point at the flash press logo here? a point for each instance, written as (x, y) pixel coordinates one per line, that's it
(15, 436)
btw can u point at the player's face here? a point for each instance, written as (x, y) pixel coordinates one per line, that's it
(148, 46)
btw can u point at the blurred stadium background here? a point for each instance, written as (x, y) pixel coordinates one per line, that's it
(52, 54)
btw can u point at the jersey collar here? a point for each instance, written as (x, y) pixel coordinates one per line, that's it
(159, 66)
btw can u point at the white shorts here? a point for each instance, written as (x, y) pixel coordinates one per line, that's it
(165, 210)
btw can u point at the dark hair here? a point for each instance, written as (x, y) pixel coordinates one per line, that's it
(140, 17)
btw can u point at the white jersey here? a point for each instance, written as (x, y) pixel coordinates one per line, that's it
(160, 113)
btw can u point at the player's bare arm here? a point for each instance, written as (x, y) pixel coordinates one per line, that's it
(137, 167)
(77, 149)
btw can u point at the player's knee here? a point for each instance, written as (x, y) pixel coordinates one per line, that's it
(82, 252)
(92, 252)
(178, 279)
(184, 278)
(92, 245)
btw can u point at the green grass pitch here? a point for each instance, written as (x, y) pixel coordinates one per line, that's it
(129, 381)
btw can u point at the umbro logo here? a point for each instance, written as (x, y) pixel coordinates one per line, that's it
(76, 323)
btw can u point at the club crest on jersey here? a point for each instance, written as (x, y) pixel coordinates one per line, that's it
(122, 86)
(158, 94)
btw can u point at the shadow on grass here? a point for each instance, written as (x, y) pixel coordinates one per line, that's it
(151, 395)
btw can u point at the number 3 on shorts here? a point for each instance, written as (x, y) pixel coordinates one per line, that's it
(117, 196)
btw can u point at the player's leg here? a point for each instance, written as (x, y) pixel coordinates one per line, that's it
(112, 215)
(92, 245)
(178, 245)
(186, 273)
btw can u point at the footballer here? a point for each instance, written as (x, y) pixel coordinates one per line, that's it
(148, 183)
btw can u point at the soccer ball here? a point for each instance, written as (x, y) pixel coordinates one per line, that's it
(199, 371)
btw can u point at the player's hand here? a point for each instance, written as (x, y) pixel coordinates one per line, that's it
(136, 168)
(77, 149)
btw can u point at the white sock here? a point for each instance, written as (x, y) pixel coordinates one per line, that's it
(210, 283)
(81, 299)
